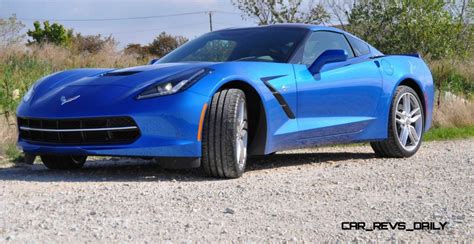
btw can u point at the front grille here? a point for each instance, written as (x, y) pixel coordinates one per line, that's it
(90, 131)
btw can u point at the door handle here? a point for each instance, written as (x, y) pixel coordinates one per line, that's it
(377, 63)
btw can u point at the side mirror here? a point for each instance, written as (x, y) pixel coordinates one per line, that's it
(328, 56)
(153, 61)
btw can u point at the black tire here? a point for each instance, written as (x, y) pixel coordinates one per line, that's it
(29, 158)
(220, 132)
(391, 147)
(63, 162)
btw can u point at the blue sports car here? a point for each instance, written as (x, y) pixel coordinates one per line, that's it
(229, 94)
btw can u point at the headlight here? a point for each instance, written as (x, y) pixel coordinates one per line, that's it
(174, 83)
(31, 91)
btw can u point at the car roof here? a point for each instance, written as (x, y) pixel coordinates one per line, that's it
(288, 26)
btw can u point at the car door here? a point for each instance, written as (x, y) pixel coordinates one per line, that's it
(340, 99)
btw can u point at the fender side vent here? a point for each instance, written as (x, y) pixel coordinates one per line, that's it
(284, 105)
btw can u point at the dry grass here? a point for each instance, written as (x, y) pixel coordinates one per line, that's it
(8, 134)
(453, 111)
(61, 58)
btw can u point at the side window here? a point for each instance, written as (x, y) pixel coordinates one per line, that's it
(321, 41)
(360, 47)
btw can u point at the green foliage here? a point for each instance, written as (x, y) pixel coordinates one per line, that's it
(13, 154)
(281, 11)
(408, 26)
(162, 44)
(165, 43)
(451, 80)
(55, 33)
(17, 75)
(9, 31)
(449, 133)
(454, 76)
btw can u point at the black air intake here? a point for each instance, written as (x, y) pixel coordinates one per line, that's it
(90, 131)
(121, 73)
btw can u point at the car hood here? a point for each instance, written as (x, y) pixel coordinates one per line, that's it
(101, 87)
(129, 77)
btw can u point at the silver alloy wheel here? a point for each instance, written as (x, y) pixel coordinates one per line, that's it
(409, 121)
(241, 136)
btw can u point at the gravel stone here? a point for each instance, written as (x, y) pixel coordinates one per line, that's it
(292, 196)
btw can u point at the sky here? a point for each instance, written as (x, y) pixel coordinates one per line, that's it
(133, 30)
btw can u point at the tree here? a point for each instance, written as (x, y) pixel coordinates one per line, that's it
(91, 43)
(165, 43)
(9, 31)
(281, 11)
(55, 33)
(407, 26)
(136, 50)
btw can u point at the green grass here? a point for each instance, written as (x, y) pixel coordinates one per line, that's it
(435, 134)
(13, 154)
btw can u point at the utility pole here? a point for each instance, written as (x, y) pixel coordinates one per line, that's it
(210, 20)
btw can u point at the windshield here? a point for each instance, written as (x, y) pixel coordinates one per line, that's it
(256, 44)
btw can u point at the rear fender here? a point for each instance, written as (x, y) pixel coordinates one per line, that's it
(397, 69)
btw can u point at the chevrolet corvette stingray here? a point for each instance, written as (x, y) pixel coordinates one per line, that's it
(229, 94)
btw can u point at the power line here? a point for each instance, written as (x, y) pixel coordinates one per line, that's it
(130, 18)
(226, 12)
(157, 29)
(115, 19)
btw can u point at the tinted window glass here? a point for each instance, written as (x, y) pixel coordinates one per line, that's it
(321, 41)
(360, 47)
(258, 44)
(214, 51)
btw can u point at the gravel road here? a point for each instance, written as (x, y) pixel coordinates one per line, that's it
(301, 195)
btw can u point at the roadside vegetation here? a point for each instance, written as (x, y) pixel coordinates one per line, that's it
(448, 133)
(441, 31)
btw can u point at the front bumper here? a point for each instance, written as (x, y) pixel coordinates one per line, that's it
(168, 126)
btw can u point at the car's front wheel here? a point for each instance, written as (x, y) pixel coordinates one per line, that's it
(225, 135)
(405, 127)
(63, 162)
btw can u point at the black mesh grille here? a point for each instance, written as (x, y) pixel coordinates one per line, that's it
(111, 130)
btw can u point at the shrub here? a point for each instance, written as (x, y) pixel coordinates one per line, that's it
(91, 43)
(407, 26)
(162, 44)
(454, 76)
(55, 33)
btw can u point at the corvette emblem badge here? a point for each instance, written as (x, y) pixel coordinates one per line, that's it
(65, 100)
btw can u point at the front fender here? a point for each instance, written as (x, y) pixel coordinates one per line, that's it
(282, 131)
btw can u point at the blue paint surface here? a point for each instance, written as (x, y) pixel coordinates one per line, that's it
(346, 102)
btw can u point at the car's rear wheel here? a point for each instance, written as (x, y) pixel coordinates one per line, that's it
(225, 135)
(63, 162)
(405, 128)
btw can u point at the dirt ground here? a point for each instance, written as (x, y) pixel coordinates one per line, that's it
(302, 195)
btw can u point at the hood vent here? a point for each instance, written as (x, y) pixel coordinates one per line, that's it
(121, 73)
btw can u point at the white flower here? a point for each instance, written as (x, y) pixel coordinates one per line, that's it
(16, 94)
